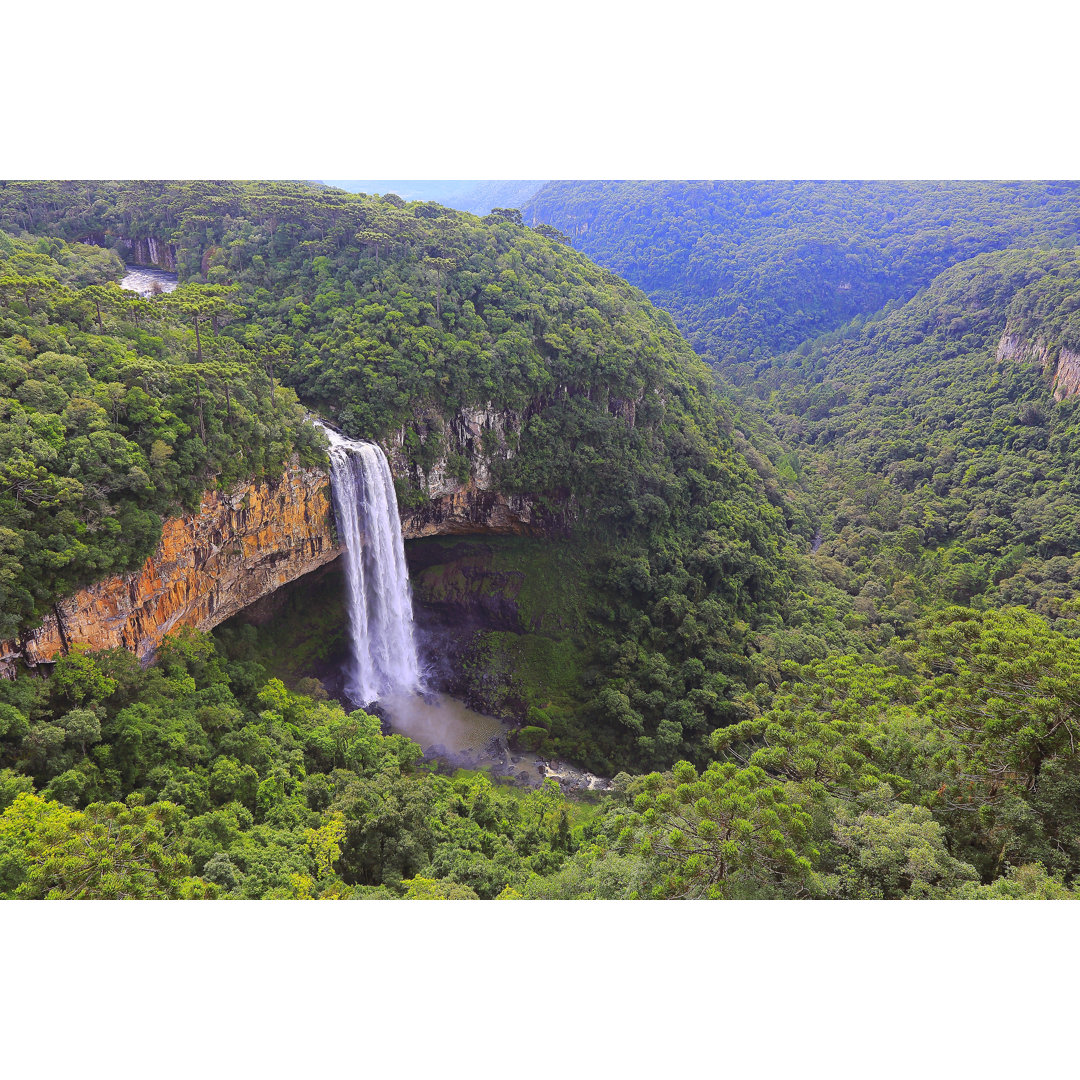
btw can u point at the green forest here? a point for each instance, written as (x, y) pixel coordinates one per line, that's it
(807, 592)
(753, 269)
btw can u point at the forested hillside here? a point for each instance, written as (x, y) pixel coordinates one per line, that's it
(828, 590)
(113, 416)
(924, 438)
(750, 269)
(942, 464)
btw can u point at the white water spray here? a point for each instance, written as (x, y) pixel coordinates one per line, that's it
(379, 599)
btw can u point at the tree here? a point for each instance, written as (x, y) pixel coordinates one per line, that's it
(895, 850)
(325, 844)
(29, 286)
(507, 214)
(1008, 688)
(197, 303)
(110, 296)
(420, 888)
(549, 231)
(111, 851)
(375, 238)
(78, 678)
(440, 266)
(726, 833)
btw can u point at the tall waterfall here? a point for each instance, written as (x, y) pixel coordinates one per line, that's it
(384, 659)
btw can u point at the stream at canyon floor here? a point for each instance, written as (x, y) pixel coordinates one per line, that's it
(450, 731)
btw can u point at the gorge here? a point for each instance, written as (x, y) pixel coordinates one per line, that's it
(739, 591)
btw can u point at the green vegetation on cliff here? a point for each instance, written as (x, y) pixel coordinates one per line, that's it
(112, 416)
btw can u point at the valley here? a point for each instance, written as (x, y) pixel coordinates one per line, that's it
(751, 573)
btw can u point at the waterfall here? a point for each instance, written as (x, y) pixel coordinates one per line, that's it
(379, 599)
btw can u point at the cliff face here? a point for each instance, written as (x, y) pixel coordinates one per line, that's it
(243, 546)
(238, 548)
(476, 439)
(1058, 362)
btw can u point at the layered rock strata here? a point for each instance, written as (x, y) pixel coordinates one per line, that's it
(238, 548)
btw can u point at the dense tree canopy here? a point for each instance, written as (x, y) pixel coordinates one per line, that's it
(750, 269)
(892, 715)
(109, 420)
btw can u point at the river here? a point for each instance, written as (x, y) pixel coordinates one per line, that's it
(450, 731)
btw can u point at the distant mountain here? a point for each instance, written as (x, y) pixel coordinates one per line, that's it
(751, 269)
(474, 196)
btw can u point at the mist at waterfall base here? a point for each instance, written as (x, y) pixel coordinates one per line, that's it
(384, 671)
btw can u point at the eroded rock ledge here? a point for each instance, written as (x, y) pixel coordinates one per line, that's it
(239, 547)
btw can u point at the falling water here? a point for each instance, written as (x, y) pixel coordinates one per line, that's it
(379, 599)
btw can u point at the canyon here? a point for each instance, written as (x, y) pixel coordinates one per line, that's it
(241, 546)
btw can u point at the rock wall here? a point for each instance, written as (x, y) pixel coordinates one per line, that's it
(1067, 375)
(239, 547)
(456, 505)
(243, 546)
(1058, 362)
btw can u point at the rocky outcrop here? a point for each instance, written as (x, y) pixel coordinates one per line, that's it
(1059, 363)
(1067, 374)
(458, 485)
(239, 547)
(470, 510)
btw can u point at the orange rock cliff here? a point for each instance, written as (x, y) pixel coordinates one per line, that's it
(240, 546)
(245, 544)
